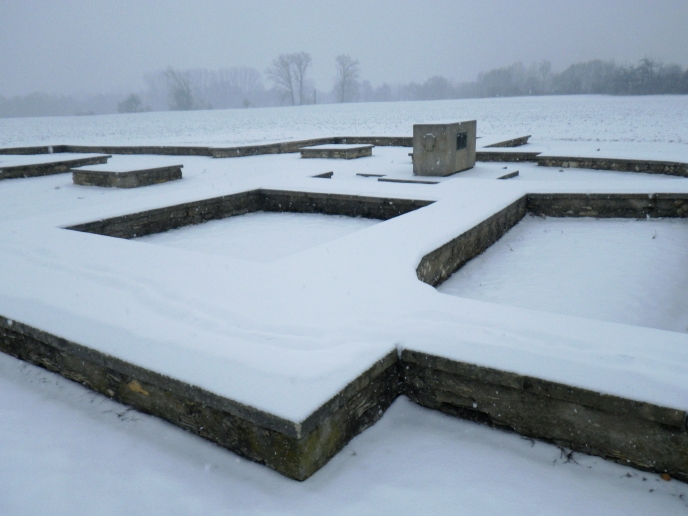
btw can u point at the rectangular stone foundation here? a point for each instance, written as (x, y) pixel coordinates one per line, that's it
(180, 215)
(337, 151)
(49, 168)
(126, 179)
(643, 435)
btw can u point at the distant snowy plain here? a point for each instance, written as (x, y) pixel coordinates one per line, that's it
(66, 450)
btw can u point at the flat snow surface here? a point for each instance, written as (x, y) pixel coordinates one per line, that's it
(260, 236)
(67, 451)
(621, 270)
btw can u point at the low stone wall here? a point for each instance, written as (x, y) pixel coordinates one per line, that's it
(620, 165)
(435, 267)
(638, 434)
(633, 433)
(337, 153)
(171, 217)
(46, 169)
(638, 206)
(128, 179)
(293, 449)
(505, 157)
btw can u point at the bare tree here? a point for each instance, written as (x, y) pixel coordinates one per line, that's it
(301, 61)
(288, 73)
(280, 73)
(346, 78)
(179, 88)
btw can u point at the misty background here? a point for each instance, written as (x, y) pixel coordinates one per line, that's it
(78, 57)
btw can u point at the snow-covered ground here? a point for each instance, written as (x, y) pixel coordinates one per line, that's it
(260, 236)
(595, 118)
(68, 451)
(284, 336)
(622, 270)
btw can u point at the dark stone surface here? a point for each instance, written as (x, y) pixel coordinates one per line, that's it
(171, 217)
(621, 165)
(633, 433)
(505, 157)
(128, 179)
(49, 168)
(342, 153)
(638, 434)
(514, 142)
(637, 206)
(435, 267)
(325, 175)
(417, 181)
(510, 175)
(293, 449)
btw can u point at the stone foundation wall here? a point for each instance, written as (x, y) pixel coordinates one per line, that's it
(619, 165)
(46, 169)
(632, 433)
(172, 217)
(279, 444)
(435, 267)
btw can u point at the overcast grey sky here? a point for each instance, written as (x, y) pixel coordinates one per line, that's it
(68, 46)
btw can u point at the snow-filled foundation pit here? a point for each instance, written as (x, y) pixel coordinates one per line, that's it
(622, 270)
(599, 257)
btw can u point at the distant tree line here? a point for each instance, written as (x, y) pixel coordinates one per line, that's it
(289, 83)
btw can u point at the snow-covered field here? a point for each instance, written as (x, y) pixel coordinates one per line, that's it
(286, 334)
(658, 119)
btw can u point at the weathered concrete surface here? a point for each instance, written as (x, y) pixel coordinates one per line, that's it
(443, 149)
(171, 217)
(327, 152)
(49, 168)
(620, 165)
(128, 179)
(514, 142)
(633, 433)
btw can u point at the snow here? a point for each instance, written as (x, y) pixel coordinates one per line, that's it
(582, 118)
(621, 270)
(68, 451)
(260, 236)
(284, 336)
